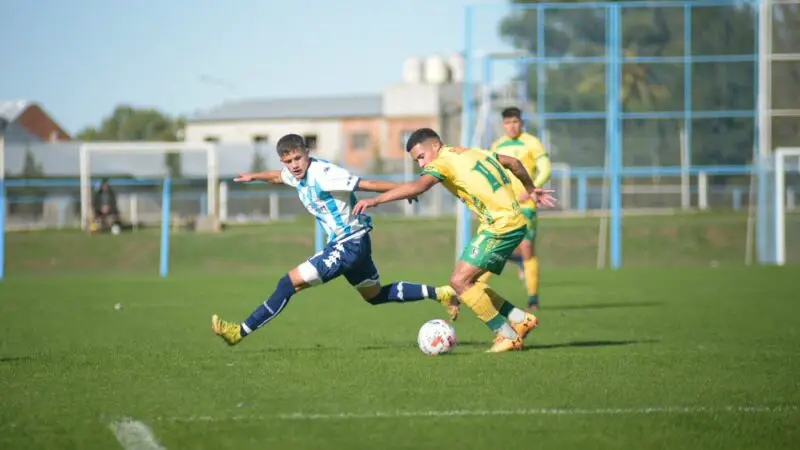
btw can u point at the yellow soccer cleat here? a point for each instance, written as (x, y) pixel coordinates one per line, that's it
(502, 344)
(526, 326)
(447, 296)
(230, 332)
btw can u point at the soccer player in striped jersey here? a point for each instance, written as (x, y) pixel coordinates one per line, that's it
(479, 179)
(327, 192)
(531, 153)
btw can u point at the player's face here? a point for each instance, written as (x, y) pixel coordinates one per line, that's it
(297, 162)
(423, 154)
(512, 127)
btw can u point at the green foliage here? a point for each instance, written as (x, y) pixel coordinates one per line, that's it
(659, 32)
(131, 124)
(259, 164)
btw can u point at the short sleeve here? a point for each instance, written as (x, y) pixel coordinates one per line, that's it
(287, 178)
(437, 168)
(332, 178)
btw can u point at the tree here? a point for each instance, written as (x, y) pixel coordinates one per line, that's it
(654, 87)
(130, 124)
(30, 168)
(259, 164)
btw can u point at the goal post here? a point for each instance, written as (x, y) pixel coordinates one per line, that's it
(787, 161)
(138, 150)
(87, 150)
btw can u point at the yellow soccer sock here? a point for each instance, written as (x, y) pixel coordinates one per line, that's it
(485, 277)
(479, 301)
(532, 279)
(506, 308)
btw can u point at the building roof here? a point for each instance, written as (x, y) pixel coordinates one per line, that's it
(338, 107)
(10, 110)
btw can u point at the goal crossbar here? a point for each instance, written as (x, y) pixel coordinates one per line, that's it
(87, 149)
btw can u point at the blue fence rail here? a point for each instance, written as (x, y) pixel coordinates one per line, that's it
(613, 59)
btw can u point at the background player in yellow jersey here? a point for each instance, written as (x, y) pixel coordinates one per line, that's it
(479, 179)
(530, 151)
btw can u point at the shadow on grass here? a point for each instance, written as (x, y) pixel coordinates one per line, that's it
(12, 359)
(572, 344)
(482, 344)
(600, 306)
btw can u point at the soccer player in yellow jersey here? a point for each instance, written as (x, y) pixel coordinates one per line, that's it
(530, 151)
(479, 179)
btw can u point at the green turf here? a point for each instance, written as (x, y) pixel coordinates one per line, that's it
(699, 240)
(699, 338)
(689, 328)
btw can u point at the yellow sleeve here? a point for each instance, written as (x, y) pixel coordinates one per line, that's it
(543, 171)
(438, 168)
(497, 142)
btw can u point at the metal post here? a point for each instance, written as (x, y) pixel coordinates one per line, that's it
(467, 125)
(274, 212)
(166, 219)
(86, 193)
(763, 125)
(687, 83)
(541, 75)
(780, 209)
(582, 193)
(2, 224)
(2, 201)
(614, 130)
(702, 191)
(223, 202)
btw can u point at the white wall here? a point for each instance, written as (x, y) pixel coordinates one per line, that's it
(328, 132)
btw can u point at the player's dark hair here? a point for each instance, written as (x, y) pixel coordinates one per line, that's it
(512, 112)
(290, 143)
(420, 136)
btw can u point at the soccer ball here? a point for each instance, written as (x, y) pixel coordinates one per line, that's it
(436, 337)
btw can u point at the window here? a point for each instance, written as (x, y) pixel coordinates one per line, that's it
(211, 139)
(359, 141)
(311, 141)
(260, 139)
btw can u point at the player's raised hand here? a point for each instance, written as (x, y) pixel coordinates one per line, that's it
(244, 178)
(361, 207)
(543, 197)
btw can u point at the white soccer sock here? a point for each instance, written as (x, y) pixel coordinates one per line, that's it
(516, 315)
(507, 332)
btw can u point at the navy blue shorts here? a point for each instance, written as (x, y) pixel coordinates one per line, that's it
(351, 258)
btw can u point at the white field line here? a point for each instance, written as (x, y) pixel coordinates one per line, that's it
(134, 435)
(496, 412)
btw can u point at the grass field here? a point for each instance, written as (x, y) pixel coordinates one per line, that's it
(650, 357)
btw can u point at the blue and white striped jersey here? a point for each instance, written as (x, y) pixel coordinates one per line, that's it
(327, 193)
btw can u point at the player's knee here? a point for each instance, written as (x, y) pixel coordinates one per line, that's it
(460, 282)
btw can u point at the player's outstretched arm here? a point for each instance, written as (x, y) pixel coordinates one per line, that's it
(544, 170)
(403, 191)
(376, 185)
(541, 196)
(270, 176)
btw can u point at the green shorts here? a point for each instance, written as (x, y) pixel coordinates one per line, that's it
(533, 224)
(491, 251)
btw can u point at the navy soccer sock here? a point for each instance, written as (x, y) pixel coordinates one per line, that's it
(270, 308)
(402, 291)
(516, 259)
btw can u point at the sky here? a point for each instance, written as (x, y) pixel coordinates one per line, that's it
(81, 58)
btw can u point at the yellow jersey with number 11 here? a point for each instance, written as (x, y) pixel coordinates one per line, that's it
(480, 181)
